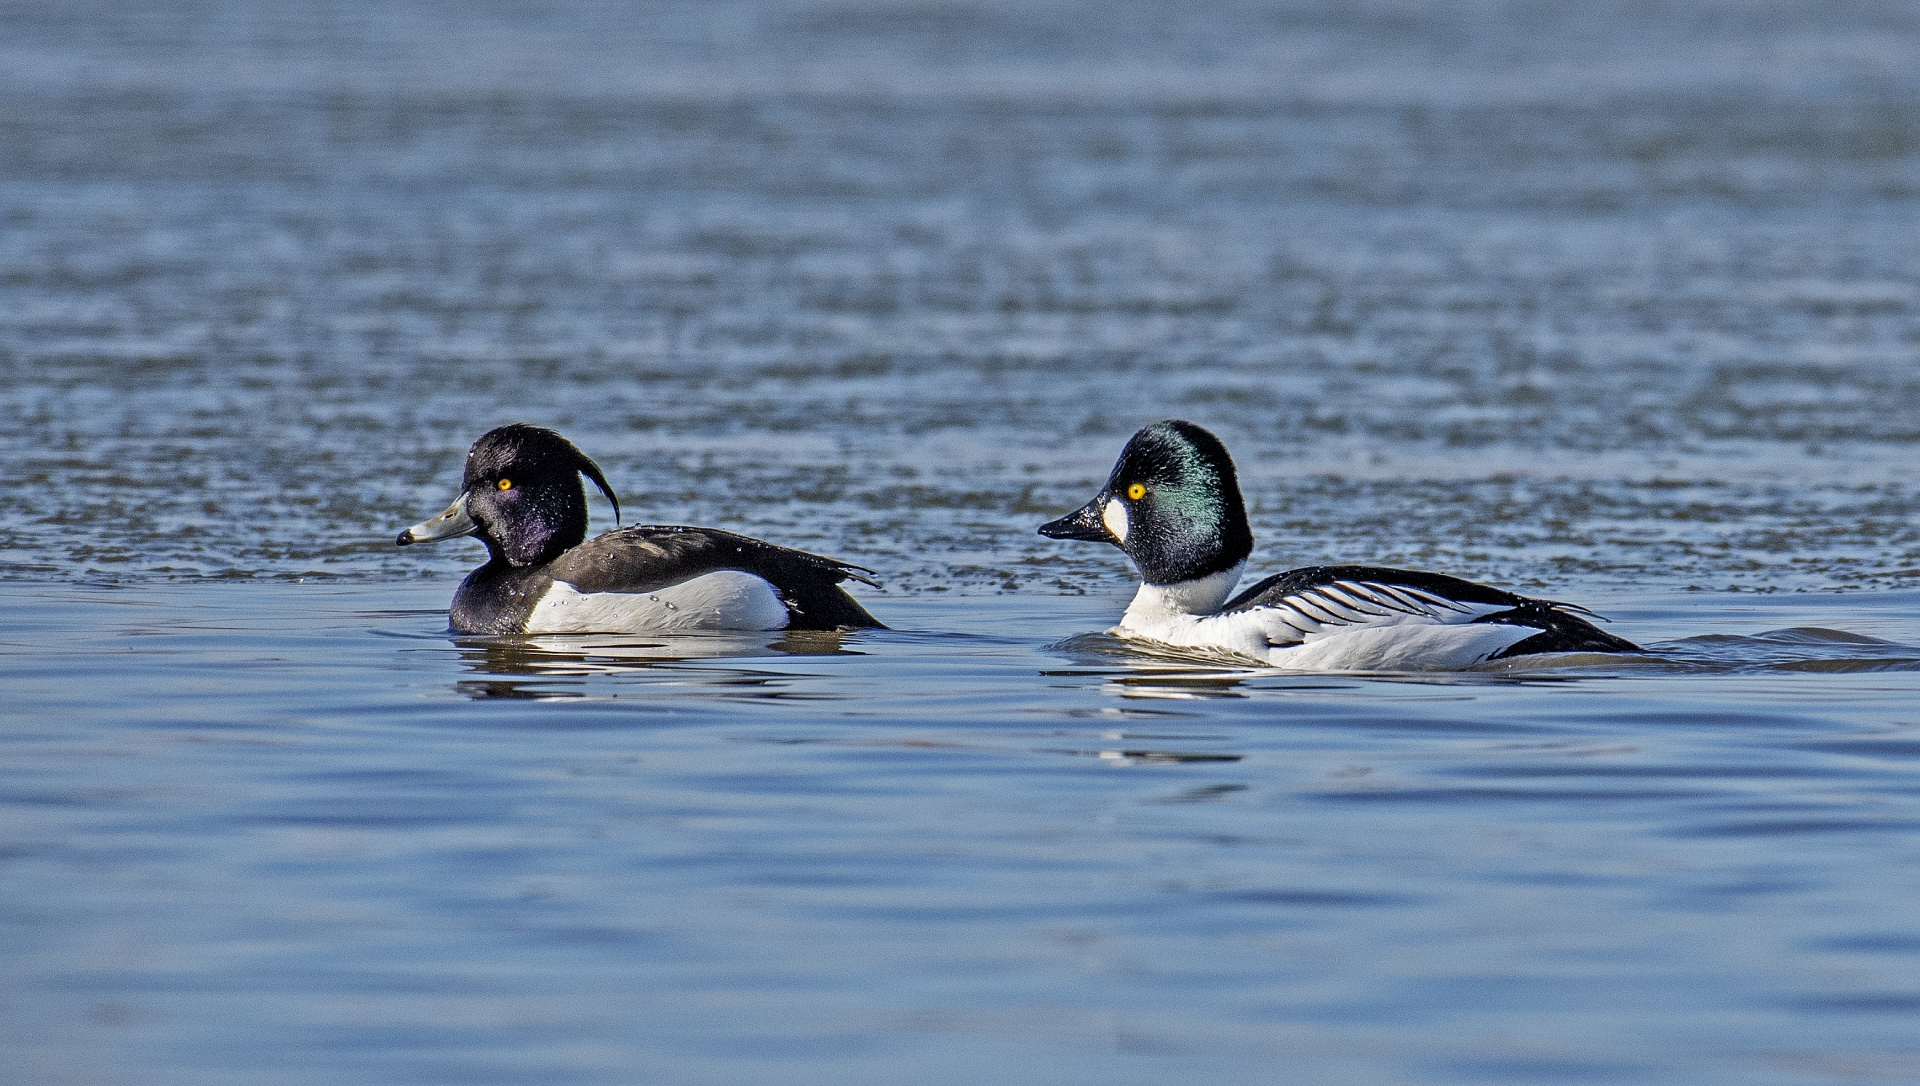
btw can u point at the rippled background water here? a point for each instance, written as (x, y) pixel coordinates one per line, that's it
(1612, 302)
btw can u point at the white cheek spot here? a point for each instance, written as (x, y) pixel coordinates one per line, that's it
(1114, 516)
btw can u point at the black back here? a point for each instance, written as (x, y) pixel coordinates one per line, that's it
(498, 598)
(648, 557)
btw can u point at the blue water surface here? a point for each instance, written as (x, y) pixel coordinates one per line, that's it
(1613, 303)
(300, 834)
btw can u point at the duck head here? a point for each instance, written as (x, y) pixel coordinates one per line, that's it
(1172, 504)
(521, 494)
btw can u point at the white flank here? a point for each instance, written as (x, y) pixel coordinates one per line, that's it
(726, 600)
(1114, 516)
(1341, 627)
(1405, 647)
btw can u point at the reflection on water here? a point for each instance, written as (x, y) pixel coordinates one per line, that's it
(756, 685)
(539, 667)
(307, 803)
(1142, 756)
(1795, 649)
(1161, 671)
(1109, 754)
(1176, 686)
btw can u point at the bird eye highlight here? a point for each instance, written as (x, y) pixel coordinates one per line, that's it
(505, 484)
(1136, 491)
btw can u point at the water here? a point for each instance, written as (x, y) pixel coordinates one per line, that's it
(1610, 304)
(297, 833)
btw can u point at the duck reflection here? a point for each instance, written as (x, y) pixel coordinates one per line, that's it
(1177, 685)
(555, 666)
(1176, 674)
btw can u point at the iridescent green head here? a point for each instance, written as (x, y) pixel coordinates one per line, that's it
(1172, 503)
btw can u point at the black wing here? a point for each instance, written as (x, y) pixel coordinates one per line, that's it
(646, 557)
(1318, 598)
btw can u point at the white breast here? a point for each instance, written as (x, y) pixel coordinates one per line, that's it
(725, 600)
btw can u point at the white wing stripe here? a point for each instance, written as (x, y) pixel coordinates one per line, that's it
(1292, 617)
(1306, 607)
(1406, 600)
(1331, 604)
(1386, 597)
(1353, 598)
(1293, 620)
(1432, 600)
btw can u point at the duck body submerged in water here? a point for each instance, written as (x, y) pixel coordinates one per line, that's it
(522, 495)
(1173, 505)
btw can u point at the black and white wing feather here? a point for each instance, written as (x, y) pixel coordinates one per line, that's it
(1304, 605)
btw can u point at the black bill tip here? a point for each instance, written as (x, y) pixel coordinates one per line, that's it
(1083, 523)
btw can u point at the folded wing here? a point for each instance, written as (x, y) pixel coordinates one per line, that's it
(1304, 605)
(646, 558)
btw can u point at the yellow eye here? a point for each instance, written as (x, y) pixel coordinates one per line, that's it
(505, 484)
(1136, 492)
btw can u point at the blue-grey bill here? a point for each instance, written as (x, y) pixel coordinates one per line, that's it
(452, 522)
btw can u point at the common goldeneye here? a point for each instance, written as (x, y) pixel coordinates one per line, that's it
(522, 496)
(1173, 505)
